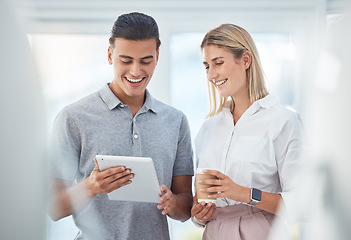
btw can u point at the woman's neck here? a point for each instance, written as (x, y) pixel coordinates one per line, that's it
(241, 105)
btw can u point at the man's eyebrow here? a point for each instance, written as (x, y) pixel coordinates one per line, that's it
(143, 58)
(213, 60)
(124, 56)
(147, 57)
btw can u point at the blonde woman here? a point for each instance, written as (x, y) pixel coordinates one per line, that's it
(249, 137)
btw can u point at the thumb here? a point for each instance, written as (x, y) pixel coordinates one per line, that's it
(96, 168)
(163, 189)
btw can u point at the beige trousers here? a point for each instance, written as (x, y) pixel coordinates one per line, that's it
(239, 222)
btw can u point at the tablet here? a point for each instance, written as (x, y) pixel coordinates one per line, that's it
(144, 186)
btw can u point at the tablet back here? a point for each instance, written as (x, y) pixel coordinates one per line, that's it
(144, 186)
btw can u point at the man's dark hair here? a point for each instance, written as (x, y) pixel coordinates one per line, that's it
(135, 26)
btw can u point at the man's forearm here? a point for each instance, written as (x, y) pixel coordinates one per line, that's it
(183, 207)
(67, 200)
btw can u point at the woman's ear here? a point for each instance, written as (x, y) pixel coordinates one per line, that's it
(246, 59)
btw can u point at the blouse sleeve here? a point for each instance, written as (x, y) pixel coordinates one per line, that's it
(288, 149)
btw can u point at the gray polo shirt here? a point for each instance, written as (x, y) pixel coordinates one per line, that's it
(101, 124)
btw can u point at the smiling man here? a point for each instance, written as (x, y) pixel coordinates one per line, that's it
(124, 119)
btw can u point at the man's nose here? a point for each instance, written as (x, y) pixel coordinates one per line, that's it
(135, 70)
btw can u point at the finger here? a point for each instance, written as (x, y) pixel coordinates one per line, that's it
(217, 195)
(215, 173)
(212, 189)
(114, 170)
(211, 182)
(165, 194)
(204, 211)
(195, 201)
(111, 183)
(117, 186)
(210, 214)
(164, 189)
(165, 211)
(108, 184)
(116, 173)
(164, 207)
(120, 178)
(197, 208)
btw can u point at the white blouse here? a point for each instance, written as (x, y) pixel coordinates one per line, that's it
(261, 150)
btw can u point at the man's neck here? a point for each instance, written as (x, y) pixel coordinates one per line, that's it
(134, 103)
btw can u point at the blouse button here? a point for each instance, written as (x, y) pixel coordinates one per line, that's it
(136, 136)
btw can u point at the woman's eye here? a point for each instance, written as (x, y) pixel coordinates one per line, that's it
(207, 67)
(219, 63)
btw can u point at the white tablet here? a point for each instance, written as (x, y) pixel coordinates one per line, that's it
(144, 186)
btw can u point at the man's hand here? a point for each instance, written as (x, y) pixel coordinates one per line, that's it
(167, 200)
(68, 198)
(102, 182)
(176, 202)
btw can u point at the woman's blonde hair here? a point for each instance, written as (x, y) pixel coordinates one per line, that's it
(236, 40)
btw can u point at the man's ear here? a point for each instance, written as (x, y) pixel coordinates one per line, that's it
(109, 55)
(157, 55)
(246, 59)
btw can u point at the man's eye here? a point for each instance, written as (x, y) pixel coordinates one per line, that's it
(126, 62)
(219, 63)
(207, 67)
(146, 63)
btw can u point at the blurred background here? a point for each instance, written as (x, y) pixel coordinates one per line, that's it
(68, 42)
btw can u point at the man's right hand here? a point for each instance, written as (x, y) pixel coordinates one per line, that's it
(68, 198)
(102, 182)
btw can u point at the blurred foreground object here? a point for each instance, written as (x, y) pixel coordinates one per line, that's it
(22, 179)
(324, 197)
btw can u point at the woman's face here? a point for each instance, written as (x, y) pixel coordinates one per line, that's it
(226, 73)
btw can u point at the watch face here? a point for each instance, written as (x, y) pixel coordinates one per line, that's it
(256, 194)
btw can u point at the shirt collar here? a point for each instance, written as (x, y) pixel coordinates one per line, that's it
(112, 101)
(149, 102)
(266, 102)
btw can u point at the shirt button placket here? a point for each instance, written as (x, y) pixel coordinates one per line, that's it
(135, 134)
(136, 148)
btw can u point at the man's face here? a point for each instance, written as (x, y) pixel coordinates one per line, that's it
(134, 63)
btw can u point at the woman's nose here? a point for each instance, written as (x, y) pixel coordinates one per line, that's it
(211, 74)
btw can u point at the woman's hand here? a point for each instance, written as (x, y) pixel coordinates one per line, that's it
(225, 187)
(203, 211)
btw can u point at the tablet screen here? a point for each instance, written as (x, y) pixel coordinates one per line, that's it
(144, 186)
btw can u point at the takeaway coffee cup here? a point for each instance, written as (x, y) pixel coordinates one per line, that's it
(203, 196)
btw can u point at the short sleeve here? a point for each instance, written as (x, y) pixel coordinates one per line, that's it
(184, 157)
(64, 147)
